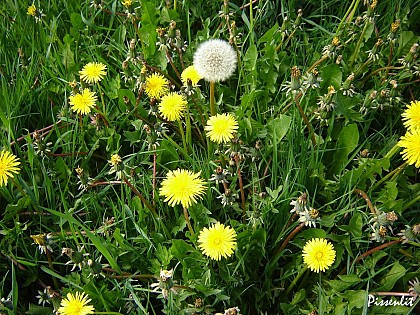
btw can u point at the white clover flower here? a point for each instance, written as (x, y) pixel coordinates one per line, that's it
(215, 60)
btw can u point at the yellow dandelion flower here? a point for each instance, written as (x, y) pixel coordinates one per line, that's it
(318, 254)
(31, 10)
(221, 128)
(411, 144)
(172, 106)
(76, 305)
(8, 166)
(412, 116)
(156, 86)
(218, 241)
(93, 72)
(190, 74)
(83, 102)
(182, 187)
(127, 3)
(115, 160)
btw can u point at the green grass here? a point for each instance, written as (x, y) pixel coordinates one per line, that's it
(132, 232)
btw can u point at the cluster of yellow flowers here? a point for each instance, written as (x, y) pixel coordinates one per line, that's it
(411, 140)
(83, 102)
(220, 128)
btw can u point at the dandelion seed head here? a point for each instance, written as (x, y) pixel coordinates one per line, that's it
(215, 60)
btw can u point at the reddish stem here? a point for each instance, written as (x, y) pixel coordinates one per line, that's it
(371, 251)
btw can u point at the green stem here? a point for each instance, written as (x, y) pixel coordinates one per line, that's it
(212, 100)
(359, 42)
(349, 14)
(181, 131)
(188, 221)
(392, 152)
(102, 100)
(412, 202)
(149, 206)
(179, 148)
(110, 313)
(188, 127)
(397, 170)
(18, 186)
(296, 279)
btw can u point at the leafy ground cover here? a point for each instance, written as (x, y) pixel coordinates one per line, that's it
(192, 157)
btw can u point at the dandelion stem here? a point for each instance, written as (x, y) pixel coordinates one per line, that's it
(168, 56)
(412, 202)
(37, 131)
(305, 119)
(50, 264)
(392, 152)
(148, 205)
(102, 100)
(212, 100)
(371, 251)
(359, 42)
(18, 186)
(185, 153)
(154, 177)
(398, 169)
(316, 63)
(181, 131)
(379, 70)
(349, 14)
(241, 187)
(188, 127)
(366, 198)
(296, 279)
(188, 221)
(288, 238)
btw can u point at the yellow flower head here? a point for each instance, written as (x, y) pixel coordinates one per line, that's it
(8, 166)
(318, 254)
(31, 10)
(39, 239)
(156, 86)
(191, 75)
(182, 187)
(115, 160)
(83, 102)
(411, 144)
(172, 106)
(93, 72)
(127, 3)
(218, 241)
(221, 128)
(412, 116)
(76, 305)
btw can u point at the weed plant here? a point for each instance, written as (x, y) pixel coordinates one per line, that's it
(278, 175)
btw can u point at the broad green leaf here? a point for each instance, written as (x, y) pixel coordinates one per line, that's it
(348, 140)
(250, 58)
(278, 127)
(355, 226)
(67, 57)
(331, 75)
(396, 272)
(406, 41)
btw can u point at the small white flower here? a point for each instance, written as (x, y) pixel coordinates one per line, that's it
(215, 60)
